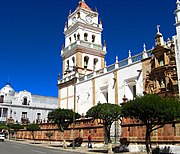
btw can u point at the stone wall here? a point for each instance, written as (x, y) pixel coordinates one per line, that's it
(135, 133)
(82, 129)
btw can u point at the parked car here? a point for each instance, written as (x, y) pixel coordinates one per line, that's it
(2, 137)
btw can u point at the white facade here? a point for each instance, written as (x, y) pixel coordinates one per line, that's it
(102, 87)
(93, 82)
(24, 107)
(84, 87)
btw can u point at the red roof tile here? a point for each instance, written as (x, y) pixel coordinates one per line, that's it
(82, 4)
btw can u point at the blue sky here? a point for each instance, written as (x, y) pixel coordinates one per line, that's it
(31, 36)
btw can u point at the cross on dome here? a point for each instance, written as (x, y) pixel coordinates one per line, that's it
(144, 47)
(158, 28)
(129, 53)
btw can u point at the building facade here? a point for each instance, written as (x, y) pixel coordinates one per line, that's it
(23, 107)
(86, 80)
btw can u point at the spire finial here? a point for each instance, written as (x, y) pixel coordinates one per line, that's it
(59, 77)
(144, 47)
(129, 53)
(100, 21)
(158, 28)
(104, 43)
(116, 59)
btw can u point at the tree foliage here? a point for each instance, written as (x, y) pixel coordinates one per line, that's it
(107, 113)
(16, 127)
(63, 118)
(152, 111)
(3, 126)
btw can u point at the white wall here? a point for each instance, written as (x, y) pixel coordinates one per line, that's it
(105, 83)
(127, 74)
(84, 96)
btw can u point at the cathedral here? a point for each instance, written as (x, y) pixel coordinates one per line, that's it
(87, 81)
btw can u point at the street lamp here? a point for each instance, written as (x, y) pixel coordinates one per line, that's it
(74, 83)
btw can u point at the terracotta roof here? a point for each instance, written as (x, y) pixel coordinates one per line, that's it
(82, 4)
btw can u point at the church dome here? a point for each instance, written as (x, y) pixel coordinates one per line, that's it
(7, 90)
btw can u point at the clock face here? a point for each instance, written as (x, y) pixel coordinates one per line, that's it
(88, 19)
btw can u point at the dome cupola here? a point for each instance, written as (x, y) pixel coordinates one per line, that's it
(7, 90)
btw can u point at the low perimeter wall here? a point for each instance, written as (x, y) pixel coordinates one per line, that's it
(81, 130)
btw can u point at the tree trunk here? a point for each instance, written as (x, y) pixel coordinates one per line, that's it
(15, 135)
(64, 141)
(107, 134)
(33, 136)
(148, 140)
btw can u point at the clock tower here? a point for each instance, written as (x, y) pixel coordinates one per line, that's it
(82, 52)
(83, 41)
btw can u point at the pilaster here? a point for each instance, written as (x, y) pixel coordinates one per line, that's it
(116, 86)
(94, 91)
(59, 98)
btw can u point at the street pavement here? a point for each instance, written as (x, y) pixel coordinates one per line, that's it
(27, 147)
(15, 147)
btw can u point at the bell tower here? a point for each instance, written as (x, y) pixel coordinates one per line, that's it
(82, 52)
(83, 41)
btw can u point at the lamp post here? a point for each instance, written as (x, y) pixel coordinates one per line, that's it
(74, 83)
(115, 132)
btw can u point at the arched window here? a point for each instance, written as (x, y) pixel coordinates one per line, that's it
(78, 36)
(86, 59)
(161, 61)
(79, 14)
(69, 39)
(75, 37)
(73, 60)
(25, 101)
(93, 38)
(95, 62)
(67, 64)
(85, 37)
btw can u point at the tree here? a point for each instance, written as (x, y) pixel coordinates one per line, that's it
(153, 112)
(63, 118)
(33, 128)
(3, 126)
(107, 113)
